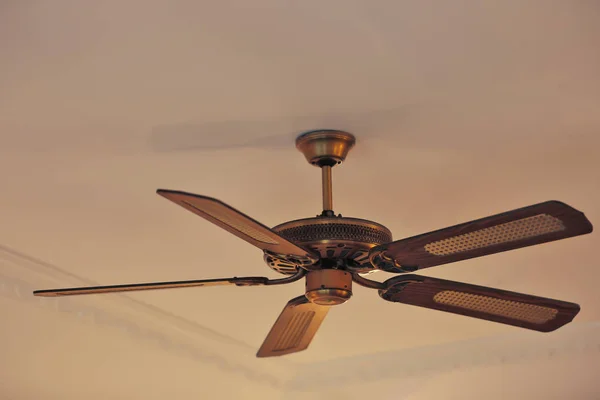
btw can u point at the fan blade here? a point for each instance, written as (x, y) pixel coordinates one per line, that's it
(249, 281)
(522, 310)
(294, 329)
(240, 225)
(528, 226)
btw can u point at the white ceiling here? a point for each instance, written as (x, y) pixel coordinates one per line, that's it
(462, 109)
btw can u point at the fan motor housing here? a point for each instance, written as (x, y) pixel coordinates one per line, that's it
(343, 239)
(328, 287)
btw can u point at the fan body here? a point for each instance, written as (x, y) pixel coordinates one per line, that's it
(333, 252)
(340, 242)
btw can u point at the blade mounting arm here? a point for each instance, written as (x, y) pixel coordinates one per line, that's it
(368, 283)
(245, 281)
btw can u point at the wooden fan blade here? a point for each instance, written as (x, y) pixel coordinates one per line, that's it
(249, 281)
(294, 329)
(240, 225)
(528, 226)
(522, 310)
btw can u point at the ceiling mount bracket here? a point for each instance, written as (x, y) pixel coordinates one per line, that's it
(325, 147)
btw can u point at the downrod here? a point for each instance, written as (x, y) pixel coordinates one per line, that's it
(325, 148)
(327, 191)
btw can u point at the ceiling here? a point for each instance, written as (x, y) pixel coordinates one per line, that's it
(461, 109)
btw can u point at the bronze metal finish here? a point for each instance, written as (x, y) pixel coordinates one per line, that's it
(327, 188)
(328, 287)
(325, 146)
(335, 238)
(362, 281)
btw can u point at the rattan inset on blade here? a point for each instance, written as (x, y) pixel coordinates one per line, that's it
(522, 310)
(528, 226)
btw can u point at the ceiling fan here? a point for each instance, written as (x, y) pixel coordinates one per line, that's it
(331, 252)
